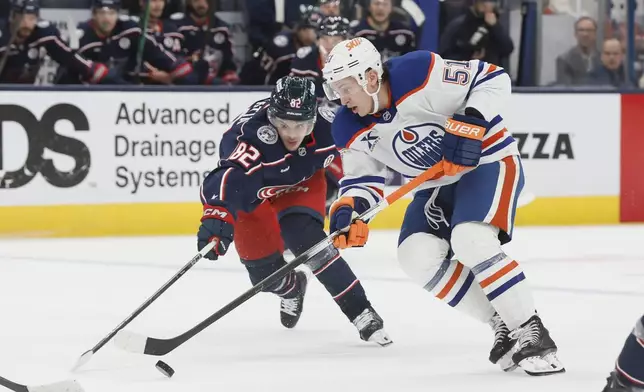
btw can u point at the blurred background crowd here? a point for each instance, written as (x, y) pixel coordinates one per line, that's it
(555, 43)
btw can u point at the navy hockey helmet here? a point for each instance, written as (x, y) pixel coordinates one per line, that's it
(110, 4)
(26, 6)
(293, 98)
(334, 26)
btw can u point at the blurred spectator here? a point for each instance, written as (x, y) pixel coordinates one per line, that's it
(273, 62)
(309, 60)
(206, 43)
(330, 7)
(574, 65)
(115, 42)
(262, 19)
(391, 38)
(611, 70)
(165, 33)
(23, 56)
(477, 35)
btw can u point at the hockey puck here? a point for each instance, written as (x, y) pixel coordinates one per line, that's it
(165, 369)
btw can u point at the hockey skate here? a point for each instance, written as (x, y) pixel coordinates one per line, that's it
(615, 384)
(502, 350)
(291, 307)
(536, 352)
(372, 328)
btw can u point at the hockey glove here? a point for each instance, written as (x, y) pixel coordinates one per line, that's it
(343, 213)
(463, 143)
(216, 225)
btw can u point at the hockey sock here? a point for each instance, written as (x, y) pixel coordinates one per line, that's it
(342, 284)
(502, 281)
(302, 231)
(258, 270)
(455, 285)
(630, 363)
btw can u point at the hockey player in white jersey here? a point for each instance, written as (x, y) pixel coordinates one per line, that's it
(409, 114)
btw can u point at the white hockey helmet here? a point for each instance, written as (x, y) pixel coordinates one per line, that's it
(352, 58)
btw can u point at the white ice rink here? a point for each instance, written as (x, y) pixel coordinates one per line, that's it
(59, 297)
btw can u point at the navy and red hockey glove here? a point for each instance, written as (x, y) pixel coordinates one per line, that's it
(463, 143)
(343, 213)
(217, 224)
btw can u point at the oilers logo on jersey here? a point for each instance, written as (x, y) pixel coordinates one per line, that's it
(419, 146)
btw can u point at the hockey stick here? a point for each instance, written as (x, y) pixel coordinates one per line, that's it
(136, 343)
(144, 32)
(63, 386)
(87, 355)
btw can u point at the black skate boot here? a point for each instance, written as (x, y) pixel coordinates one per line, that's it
(536, 352)
(501, 352)
(291, 307)
(615, 384)
(372, 328)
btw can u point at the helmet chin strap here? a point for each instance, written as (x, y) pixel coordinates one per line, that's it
(374, 97)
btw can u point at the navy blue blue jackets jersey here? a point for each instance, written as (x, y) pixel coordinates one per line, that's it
(271, 63)
(118, 50)
(308, 64)
(208, 41)
(393, 42)
(167, 35)
(256, 166)
(25, 58)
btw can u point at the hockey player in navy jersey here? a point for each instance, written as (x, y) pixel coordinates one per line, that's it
(165, 34)
(390, 37)
(206, 42)
(113, 40)
(273, 61)
(628, 375)
(268, 193)
(34, 39)
(309, 60)
(164, 31)
(415, 112)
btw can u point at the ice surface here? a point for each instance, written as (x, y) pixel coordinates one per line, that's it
(59, 297)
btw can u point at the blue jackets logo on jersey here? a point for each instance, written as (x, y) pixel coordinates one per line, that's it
(419, 146)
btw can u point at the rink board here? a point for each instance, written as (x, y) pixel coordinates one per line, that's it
(130, 163)
(183, 218)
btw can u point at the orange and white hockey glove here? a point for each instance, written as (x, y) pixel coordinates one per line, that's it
(463, 143)
(342, 215)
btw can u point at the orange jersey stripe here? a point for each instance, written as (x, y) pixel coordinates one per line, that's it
(500, 219)
(494, 138)
(498, 274)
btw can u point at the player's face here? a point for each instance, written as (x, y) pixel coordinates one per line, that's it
(27, 24)
(105, 19)
(327, 43)
(306, 36)
(292, 132)
(353, 96)
(200, 7)
(380, 10)
(156, 8)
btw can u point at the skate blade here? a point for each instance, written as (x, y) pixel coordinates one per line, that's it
(542, 366)
(506, 363)
(381, 338)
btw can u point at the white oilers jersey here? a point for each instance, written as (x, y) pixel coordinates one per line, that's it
(426, 90)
